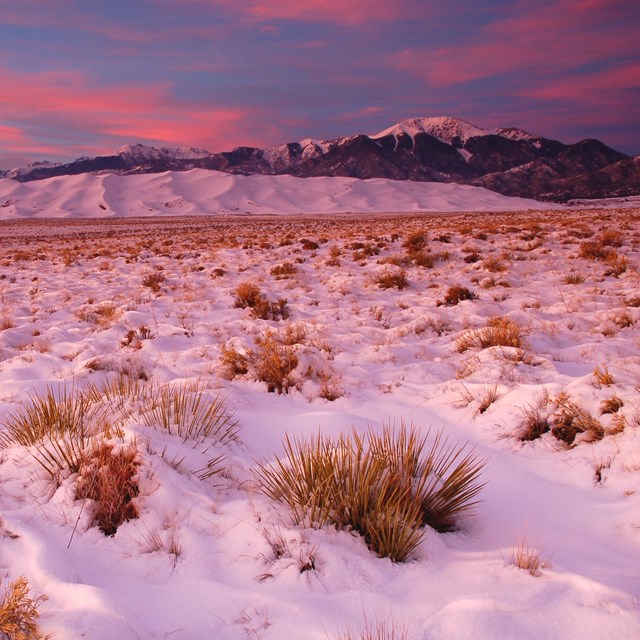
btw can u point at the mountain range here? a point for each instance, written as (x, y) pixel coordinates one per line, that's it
(509, 161)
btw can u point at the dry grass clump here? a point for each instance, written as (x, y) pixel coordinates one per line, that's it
(386, 487)
(396, 279)
(527, 558)
(493, 264)
(500, 331)
(456, 294)
(108, 477)
(283, 271)
(571, 420)
(19, 611)
(574, 278)
(535, 419)
(611, 405)
(153, 281)
(415, 242)
(602, 376)
(274, 362)
(248, 295)
(377, 630)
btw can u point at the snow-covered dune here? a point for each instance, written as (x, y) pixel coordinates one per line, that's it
(201, 192)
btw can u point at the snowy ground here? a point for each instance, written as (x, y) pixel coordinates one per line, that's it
(217, 559)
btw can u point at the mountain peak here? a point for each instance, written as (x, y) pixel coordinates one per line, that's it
(447, 129)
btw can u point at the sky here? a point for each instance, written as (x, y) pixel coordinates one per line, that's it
(84, 77)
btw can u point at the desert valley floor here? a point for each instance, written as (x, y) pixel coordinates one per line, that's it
(193, 348)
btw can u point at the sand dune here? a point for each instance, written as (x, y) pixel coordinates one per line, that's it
(200, 192)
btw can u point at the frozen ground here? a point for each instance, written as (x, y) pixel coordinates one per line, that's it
(83, 302)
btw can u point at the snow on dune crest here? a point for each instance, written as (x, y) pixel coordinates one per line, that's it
(201, 192)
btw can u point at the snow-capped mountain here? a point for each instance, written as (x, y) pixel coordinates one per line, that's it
(508, 160)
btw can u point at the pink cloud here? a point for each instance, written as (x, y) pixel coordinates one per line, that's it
(67, 105)
(540, 41)
(350, 12)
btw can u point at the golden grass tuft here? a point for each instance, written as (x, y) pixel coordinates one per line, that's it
(19, 611)
(500, 331)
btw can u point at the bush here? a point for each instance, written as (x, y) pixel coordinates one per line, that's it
(392, 279)
(108, 477)
(499, 332)
(19, 611)
(383, 487)
(457, 293)
(274, 362)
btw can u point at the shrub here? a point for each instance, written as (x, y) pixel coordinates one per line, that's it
(190, 413)
(594, 250)
(248, 295)
(457, 293)
(19, 611)
(153, 281)
(611, 405)
(493, 264)
(108, 478)
(392, 279)
(380, 486)
(415, 241)
(283, 271)
(535, 419)
(500, 331)
(570, 420)
(274, 362)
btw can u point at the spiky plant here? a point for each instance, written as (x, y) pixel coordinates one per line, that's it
(193, 415)
(57, 426)
(381, 486)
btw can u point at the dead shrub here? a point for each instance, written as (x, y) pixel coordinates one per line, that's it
(234, 363)
(500, 331)
(602, 376)
(535, 419)
(19, 611)
(392, 279)
(611, 405)
(283, 271)
(456, 294)
(571, 420)
(574, 278)
(493, 264)
(594, 250)
(108, 477)
(247, 295)
(153, 281)
(415, 241)
(274, 362)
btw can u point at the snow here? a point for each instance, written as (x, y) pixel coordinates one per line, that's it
(202, 192)
(199, 562)
(445, 128)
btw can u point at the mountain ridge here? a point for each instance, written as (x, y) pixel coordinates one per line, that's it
(507, 160)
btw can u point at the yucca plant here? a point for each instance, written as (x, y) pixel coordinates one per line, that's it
(381, 486)
(191, 414)
(57, 426)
